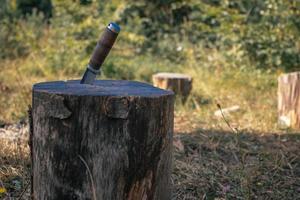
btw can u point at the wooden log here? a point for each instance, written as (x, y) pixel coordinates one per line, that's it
(180, 84)
(289, 100)
(107, 141)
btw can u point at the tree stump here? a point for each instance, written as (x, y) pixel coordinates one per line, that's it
(107, 141)
(289, 100)
(180, 84)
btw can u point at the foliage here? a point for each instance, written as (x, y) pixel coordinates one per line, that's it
(27, 7)
(265, 32)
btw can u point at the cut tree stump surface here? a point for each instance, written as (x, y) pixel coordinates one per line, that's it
(172, 75)
(110, 140)
(180, 84)
(101, 88)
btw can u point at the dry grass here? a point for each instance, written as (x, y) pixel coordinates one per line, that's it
(14, 169)
(221, 165)
(216, 81)
(208, 164)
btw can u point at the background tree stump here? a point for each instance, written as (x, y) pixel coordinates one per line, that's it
(289, 100)
(108, 141)
(180, 84)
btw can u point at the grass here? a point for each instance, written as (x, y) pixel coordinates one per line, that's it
(214, 81)
(14, 169)
(220, 165)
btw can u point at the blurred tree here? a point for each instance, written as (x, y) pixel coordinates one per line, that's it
(263, 34)
(85, 2)
(157, 16)
(27, 7)
(6, 10)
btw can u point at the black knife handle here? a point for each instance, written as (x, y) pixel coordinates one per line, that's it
(104, 45)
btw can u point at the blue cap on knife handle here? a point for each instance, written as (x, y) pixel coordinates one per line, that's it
(114, 27)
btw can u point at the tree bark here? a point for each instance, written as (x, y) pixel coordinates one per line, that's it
(107, 141)
(289, 100)
(180, 84)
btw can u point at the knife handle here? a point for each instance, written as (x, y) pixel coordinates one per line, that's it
(104, 45)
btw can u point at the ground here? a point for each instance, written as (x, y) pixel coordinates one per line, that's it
(208, 163)
(220, 164)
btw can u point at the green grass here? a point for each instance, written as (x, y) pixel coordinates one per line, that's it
(213, 82)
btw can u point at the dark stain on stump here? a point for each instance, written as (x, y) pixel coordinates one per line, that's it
(117, 107)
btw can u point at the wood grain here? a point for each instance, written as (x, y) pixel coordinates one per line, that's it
(289, 100)
(122, 130)
(180, 84)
